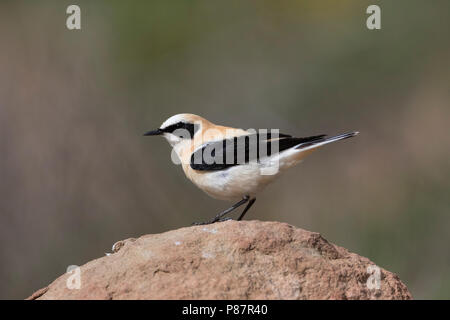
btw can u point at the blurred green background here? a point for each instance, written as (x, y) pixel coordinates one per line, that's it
(76, 174)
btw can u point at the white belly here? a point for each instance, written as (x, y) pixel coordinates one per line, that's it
(234, 183)
(239, 181)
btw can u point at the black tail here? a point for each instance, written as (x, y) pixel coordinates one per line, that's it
(324, 140)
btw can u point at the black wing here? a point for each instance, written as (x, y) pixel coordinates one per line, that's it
(223, 154)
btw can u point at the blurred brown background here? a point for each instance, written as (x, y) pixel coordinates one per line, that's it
(76, 174)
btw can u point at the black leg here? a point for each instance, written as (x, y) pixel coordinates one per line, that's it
(220, 215)
(249, 204)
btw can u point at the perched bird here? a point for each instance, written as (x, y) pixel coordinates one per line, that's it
(234, 164)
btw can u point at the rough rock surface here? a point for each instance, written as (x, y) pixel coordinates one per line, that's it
(228, 260)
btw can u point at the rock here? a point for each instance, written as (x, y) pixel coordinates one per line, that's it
(229, 260)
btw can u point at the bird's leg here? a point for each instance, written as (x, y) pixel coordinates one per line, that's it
(249, 204)
(220, 215)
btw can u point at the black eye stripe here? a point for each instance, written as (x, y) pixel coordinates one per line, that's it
(190, 127)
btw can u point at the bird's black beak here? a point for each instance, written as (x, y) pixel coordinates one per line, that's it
(156, 132)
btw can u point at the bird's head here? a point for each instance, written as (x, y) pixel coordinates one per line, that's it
(179, 128)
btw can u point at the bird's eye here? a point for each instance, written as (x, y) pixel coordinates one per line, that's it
(182, 133)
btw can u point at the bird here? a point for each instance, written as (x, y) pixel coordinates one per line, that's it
(234, 164)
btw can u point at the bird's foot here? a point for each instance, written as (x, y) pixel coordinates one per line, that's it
(211, 221)
(200, 223)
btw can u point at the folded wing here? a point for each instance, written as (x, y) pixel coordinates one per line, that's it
(223, 154)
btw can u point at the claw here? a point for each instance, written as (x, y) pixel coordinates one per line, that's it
(210, 222)
(199, 223)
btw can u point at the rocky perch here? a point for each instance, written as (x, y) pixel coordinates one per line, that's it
(229, 260)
